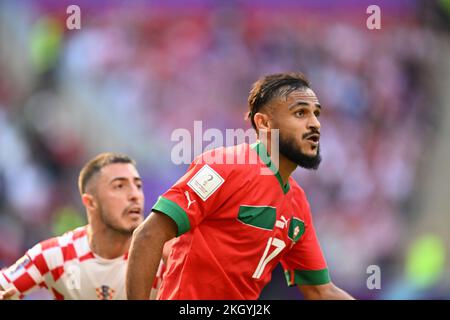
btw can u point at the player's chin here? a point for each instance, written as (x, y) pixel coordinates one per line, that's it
(312, 153)
(132, 222)
(311, 150)
(130, 227)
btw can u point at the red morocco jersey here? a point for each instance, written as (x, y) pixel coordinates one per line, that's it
(68, 268)
(235, 225)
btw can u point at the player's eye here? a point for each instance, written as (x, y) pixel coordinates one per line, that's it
(139, 185)
(317, 114)
(118, 186)
(300, 113)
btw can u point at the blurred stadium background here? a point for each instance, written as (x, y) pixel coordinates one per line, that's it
(138, 70)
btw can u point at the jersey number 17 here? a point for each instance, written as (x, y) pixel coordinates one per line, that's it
(266, 257)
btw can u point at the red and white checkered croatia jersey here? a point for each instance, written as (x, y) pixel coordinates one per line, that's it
(68, 268)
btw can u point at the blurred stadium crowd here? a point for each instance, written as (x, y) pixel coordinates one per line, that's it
(134, 74)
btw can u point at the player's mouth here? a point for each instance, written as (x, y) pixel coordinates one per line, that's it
(134, 211)
(314, 139)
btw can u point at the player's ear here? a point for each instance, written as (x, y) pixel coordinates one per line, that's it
(262, 121)
(88, 201)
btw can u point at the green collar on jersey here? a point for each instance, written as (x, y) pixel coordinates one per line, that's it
(261, 150)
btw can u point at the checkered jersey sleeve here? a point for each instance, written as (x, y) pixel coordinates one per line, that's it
(158, 280)
(31, 270)
(305, 263)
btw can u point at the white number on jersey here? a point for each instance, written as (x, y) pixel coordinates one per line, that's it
(279, 246)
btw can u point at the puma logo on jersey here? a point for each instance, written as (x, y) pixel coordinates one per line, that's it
(186, 193)
(281, 223)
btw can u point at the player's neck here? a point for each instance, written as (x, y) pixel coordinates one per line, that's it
(285, 166)
(107, 243)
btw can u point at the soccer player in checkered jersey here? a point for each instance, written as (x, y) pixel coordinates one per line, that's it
(88, 262)
(233, 224)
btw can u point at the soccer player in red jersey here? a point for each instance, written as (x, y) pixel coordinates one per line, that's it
(234, 224)
(88, 262)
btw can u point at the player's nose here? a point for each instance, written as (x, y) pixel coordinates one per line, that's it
(135, 193)
(314, 123)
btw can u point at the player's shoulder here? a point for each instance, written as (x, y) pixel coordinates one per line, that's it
(72, 235)
(299, 198)
(226, 160)
(62, 241)
(296, 188)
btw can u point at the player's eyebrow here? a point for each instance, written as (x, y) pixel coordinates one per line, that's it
(303, 103)
(124, 179)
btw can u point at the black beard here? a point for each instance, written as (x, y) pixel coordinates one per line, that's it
(289, 149)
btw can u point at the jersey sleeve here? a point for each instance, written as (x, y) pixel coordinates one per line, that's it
(305, 264)
(195, 195)
(27, 274)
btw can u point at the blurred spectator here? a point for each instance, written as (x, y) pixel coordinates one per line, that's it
(132, 75)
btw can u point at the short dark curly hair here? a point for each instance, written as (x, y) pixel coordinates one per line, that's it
(273, 85)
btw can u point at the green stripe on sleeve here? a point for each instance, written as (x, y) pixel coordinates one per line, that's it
(307, 277)
(173, 210)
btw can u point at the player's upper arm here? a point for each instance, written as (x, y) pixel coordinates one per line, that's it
(24, 276)
(324, 292)
(157, 226)
(34, 268)
(315, 292)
